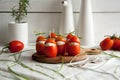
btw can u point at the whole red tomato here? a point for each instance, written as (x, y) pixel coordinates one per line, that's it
(40, 38)
(73, 47)
(116, 44)
(40, 42)
(52, 35)
(15, 46)
(50, 49)
(69, 36)
(106, 44)
(61, 45)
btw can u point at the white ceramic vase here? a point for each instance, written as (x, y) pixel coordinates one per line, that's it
(67, 21)
(18, 31)
(85, 24)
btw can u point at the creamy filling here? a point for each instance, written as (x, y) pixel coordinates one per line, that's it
(74, 43)
(60, 43)
(50, 44)
(40, 42)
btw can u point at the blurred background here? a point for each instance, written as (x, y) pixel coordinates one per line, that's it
(44, 15)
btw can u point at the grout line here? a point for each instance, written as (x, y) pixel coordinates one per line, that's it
(60, 12)
(29, 12)
(104, 12)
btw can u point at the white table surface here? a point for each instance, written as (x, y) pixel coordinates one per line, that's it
(103, 67)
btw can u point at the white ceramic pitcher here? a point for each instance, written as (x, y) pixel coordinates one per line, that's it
(85, 24)
(18, 31)
(67, 22)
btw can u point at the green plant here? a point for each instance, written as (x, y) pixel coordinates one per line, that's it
(20, 11)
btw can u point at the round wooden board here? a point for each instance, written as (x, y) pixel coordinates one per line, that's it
(58, 59)
(67, 59)
(91, 51)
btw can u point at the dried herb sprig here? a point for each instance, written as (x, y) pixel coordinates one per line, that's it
(5, 76)
(21, 11)
(52, 70)
(19, 54)
(101, 72)
(27, 67)
(17, 75)
(111, 55)
(38, 33)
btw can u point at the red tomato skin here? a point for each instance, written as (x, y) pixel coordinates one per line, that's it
(50, 40)
(73, 49)
(61, 45)
(66, 46)
(61, 49)
(40, 48)
(52, 35)
(60, 38)
(116, 44)
(40, 38)
(16, 46)
(69, 36)
(50, 51)
(106, 44)
(74, 39)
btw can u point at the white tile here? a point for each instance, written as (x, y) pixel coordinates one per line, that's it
(54, 5)
(106, 17)
(104, 24)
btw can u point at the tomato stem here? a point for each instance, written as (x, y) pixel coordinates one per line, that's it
(4, 49)
(114, 36)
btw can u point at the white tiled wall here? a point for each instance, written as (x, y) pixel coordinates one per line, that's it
(45, 14)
